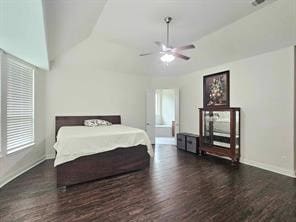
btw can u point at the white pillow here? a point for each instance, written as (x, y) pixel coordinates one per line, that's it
(96, 122)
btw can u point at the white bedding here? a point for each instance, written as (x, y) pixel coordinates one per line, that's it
(76, 141)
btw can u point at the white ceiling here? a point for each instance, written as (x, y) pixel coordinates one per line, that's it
(69, 22)
(271, 28)
(138, 23)
(222, 30)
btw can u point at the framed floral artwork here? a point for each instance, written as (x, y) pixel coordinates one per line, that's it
(216, 89)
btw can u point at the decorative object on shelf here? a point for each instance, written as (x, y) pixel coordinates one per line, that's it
(188, 142)
(216, 89)
(219, 129)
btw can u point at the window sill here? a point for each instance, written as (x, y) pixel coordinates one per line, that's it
(15, 150)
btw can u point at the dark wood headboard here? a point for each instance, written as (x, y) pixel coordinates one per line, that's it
(79, 120)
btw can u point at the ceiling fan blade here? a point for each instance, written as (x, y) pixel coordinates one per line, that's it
(149, 53)
(181, 56)
(161, 45)
(185, 47)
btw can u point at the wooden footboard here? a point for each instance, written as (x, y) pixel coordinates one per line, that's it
(102, 165)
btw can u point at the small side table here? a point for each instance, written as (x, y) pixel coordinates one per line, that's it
(188, 142)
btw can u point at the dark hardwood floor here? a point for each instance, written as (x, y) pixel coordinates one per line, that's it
(178, 186)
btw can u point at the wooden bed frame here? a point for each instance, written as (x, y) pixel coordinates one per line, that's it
(101, 165)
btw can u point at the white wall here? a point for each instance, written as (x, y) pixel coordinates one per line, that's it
(22, 31)
(263, 86)
(77, 85)
(14, 164)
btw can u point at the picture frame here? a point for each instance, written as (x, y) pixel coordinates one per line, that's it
(216, 92)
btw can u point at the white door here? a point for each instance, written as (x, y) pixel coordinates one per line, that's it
(150, 115)
(177, 110)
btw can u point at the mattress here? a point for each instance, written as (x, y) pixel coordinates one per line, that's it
(77, 141)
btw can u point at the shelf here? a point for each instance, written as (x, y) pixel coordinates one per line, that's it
(222, 136)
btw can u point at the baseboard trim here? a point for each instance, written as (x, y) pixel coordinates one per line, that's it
(50, 156)
(23, 170)
(275, 169)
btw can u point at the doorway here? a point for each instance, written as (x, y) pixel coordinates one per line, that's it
(162, 119)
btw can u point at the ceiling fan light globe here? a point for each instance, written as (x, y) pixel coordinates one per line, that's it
(167, 58)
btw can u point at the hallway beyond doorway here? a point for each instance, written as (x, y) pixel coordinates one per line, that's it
(165, 140)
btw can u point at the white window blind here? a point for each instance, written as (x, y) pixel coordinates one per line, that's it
(19, 105)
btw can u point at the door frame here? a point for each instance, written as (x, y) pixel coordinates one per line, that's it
(177, 111)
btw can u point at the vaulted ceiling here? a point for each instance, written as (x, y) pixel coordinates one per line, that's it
(117, 31)
(138, 23)
(69, 22)
(222, 30)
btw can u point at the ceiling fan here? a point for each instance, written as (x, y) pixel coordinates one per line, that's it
(168, 52)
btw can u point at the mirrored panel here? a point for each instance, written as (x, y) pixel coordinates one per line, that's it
(216, 128)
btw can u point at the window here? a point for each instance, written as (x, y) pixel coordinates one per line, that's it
(157, 102)
(18, 99)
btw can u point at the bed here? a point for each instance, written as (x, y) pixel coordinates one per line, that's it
(74, 168)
